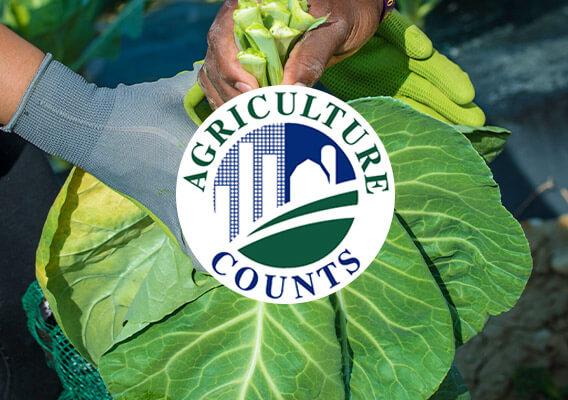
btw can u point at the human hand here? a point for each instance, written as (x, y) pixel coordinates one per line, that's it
(132, 138)
(349, 25)
(222, 76)
(401, 62)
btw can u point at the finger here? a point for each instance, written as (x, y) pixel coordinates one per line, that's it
(227, 75)
(218, 80)
(399, 31)
(309, 58)
(447, 76)
(224, 70)
(422, 91)
(212, 96)
(423, 108)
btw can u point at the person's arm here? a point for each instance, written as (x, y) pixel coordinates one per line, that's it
(19, 62)
(132, 138)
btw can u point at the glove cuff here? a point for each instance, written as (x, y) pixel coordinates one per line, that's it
(41, 70)
(61, 113)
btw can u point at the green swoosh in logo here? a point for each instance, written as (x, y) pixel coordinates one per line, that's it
(305, 244)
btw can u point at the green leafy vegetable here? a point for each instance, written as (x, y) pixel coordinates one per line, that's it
(275, 11)
(453, 256)
(263, 41)
(301, 19)
(225, 346)
(397, 325)
(286, 20)
(284, 37)
(114, 271)
(247, 16)
(317, 23)
(294, 350)
(451, 205)
(241, 39)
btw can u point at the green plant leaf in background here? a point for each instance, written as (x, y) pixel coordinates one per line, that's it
(128, 22)
(417, 10)
(107, 269)
(74, 31)
(448, 201)
(453, 257)
(489, 141)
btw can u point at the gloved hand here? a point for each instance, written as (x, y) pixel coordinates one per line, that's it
(132, 138)
(400, 61)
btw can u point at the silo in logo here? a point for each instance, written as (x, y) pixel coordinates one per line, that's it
(285, 194)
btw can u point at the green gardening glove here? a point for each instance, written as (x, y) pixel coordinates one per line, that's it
(399, 61)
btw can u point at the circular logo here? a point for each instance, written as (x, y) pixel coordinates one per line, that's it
(285, 194)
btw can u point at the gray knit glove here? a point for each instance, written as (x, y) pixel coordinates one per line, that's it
(132, 138)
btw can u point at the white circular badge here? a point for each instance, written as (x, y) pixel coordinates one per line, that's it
(285, 194)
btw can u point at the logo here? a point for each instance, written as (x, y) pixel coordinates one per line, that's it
(285, 194)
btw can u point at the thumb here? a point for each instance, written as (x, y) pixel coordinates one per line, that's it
(313, 53)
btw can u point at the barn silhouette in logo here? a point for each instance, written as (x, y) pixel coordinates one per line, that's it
(285, 193)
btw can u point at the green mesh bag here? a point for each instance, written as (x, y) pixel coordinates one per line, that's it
(80, 380)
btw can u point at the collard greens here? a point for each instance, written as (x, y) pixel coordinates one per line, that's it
(130, 301)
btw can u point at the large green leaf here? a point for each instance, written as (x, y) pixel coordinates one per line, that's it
(397, 324)
(449, 202)
(393, 326)
(225, 346)
(452, 248)
(107, 269)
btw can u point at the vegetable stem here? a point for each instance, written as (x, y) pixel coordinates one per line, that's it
(254, 62)
(245, 17)
(263, 40)
(300, 19)
(285, 37)
(273, 12)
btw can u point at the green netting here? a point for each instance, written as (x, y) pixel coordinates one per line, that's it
(80, 380)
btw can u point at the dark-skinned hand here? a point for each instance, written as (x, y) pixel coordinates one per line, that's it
(350, 25)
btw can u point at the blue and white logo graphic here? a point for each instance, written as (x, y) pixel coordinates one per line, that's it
(285, 194)
(250, 182)
(271, 166)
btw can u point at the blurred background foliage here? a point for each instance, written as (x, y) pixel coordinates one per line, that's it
(417, 10)
(75, 31)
